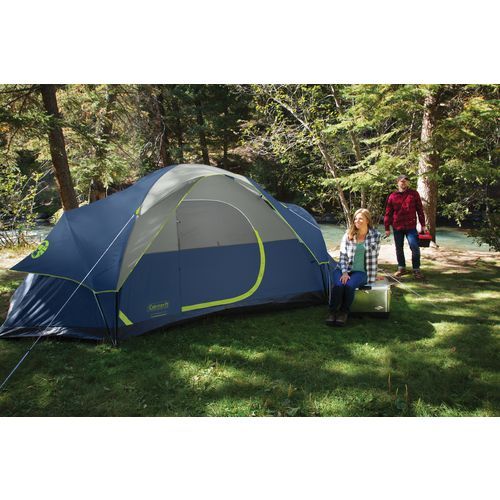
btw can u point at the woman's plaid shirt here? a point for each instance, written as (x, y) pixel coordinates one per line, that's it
(372, 249)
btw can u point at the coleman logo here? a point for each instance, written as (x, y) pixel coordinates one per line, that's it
(158, 307)
(40, 249)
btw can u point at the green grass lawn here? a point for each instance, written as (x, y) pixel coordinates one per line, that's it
(434, 356)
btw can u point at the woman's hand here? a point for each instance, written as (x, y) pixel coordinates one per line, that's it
(344, 278)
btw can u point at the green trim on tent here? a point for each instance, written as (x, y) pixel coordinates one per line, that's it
(167, 220)
(74, 281)
(124, 318)
(291, 228)
(169, 215)
(80, 283)
(243, 296)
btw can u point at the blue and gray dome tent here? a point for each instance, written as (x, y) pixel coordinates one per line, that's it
(182, 242)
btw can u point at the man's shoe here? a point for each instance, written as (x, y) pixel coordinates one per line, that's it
(341, 318)
(400, 272)
(418, 275)
(330, 321)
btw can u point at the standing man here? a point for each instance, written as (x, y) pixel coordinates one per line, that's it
(401, 212)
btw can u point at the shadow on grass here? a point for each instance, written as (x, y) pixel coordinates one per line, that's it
(9, 281)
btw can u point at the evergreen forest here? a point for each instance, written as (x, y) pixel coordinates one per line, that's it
(330, 148)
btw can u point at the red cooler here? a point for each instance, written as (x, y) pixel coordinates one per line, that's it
(424, 239)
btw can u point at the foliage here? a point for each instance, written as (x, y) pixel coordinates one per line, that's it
(330, 148)
(489, 233)
(372, 134)
(101, 144)
(354, 138)
(17, 192)
(179, 115)
(286, 132)
(470, 176)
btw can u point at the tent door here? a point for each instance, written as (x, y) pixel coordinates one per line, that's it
(222, 258)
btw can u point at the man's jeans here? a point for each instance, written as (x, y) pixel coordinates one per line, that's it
(412, 237)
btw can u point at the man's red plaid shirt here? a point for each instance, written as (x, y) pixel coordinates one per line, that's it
(401, 210)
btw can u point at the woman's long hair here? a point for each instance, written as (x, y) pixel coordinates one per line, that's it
(352, 231)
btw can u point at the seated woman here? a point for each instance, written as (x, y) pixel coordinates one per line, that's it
(357, 266)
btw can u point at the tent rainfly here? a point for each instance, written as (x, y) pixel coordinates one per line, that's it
(184, 241)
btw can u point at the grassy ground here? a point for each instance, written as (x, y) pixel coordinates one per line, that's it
(436, 356)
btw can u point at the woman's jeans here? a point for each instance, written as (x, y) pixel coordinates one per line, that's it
(342, 296)
(412, 237)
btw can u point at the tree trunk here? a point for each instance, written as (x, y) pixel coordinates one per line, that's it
(165, 156)
(330, 164)
(58, 149)
(201, 128)
(334, 171)
(178, 127)
(225, 138)
(429, 163)
(104, 129)
(180, 136)
(97, 189)
(225, 150)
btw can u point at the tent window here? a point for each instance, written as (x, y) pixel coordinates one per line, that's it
(211, 224)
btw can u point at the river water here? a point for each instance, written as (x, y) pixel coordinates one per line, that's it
(449, 237)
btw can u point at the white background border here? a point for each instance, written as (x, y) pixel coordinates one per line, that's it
(223, 41)
(263, 41)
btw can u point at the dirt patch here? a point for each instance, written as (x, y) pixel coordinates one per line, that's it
(445, 257)
(9, 258)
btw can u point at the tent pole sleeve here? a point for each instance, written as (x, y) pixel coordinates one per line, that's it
(103, 317)
(115, 341)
